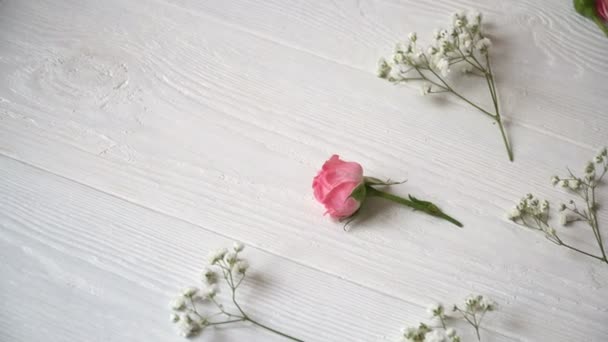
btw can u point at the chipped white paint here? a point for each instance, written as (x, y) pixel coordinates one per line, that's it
(136, 135)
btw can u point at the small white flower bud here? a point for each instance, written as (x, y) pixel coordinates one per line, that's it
(483, 44)
(174, 318)
(241, 266)
(590, 168)
(238, 247)
(384, 69)
(210, 291)
(189, 291)
(425, 89)
(554, 180)
(178, 303)
(209, 276)
(230, 258)
(412, 36)
(435, 310)
(574, 184)
(514, 214)
(563, 218)
(451, 332)
(217, 255)
(186, 329)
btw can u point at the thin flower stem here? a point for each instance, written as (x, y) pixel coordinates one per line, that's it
(227, 322)
(413, 203)
(561, 243)
(448, 87)
(476, 326)
(442, 321)
(505, 139)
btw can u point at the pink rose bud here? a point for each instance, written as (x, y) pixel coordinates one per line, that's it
(601, 7)
(334, 185)
(341, 188)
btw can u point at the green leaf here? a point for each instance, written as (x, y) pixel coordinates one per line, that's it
(359, 193)
(585, 8)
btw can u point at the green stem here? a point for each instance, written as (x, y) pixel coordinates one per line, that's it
(598, 21)
(272, 330)
(504, 138)
(561, 243)
(594, 224)
(492, 86)
(413, 203)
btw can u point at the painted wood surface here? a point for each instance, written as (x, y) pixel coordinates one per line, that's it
(136, 136)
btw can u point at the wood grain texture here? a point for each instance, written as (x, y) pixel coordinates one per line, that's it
(82, 265)
(218, 115)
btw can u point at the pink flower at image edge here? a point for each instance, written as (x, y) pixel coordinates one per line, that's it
(602, 9)
(334, 184)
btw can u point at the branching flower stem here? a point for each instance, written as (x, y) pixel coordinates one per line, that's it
(463, 44)
(233, 270)
(532, 213)
(488, 75)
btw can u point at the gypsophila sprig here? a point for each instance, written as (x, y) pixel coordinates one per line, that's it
(473, 311)
(464, 47)
(533, 213)
(187, 308)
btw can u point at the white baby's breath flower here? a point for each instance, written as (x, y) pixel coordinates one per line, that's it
(435, 310)
(514, 214)
(564, 183)
(384, 68)
(425, 88)
(178, 303)
(590, 168)
(217, 255)
(174, 317)
(443, 66)
(238, 247)
(450, 332)
(544, 205)
(436, 336)
(230, 258)
(474, 17)
(412, 36)
(563, 218)
(209, 291)
(209, 275)
(189, 291)
(436, 34)
(554, 180)
(598, 159)
(487, 304)
(483, 44)
(186, 329)
(241, 267)
(574, 184)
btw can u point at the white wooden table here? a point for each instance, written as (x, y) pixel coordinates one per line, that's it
(135, 136)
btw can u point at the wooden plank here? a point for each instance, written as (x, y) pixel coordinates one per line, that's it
(536, 52)
(78, 264)
(225, 129)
